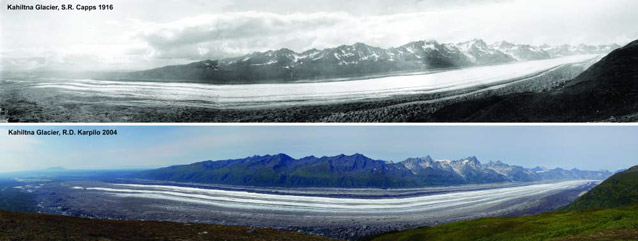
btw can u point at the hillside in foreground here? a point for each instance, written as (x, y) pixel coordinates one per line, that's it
(606, 224)
(585, 221)
(619, 190)
(30, 226)
(604, 92)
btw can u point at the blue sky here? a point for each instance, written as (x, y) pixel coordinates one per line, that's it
(583, 147)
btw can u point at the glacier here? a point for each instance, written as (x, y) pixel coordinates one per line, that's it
(269, 95)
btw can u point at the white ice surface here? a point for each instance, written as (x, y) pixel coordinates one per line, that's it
(256, 95)
(290, 203)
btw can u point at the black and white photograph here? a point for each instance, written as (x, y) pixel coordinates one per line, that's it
(319, 183)
(297, 61)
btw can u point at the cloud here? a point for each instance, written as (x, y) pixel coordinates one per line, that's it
(370, 7)
(82, 57)
(237, 33)
(134, 37)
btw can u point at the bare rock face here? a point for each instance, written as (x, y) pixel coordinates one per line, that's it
(356, 170)
(607, 91)
(285, 65)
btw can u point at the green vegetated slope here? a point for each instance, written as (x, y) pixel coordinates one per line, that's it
(584, 219)
(606, 224)
(30, 226)
(356, 171)
(619, 190)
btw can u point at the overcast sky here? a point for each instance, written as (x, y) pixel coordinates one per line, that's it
(589, 147)
(142, 34)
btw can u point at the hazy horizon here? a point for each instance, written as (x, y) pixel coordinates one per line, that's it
(251, 52)
(127, 168)
(133, 36)
(567, 147)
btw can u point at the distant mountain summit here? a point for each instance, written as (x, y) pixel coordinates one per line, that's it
(356, 60)
(606, 212)
(607, 91)
(356, 170)
(619, 190)
(523, 52)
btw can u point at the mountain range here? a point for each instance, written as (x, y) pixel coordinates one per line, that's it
(285, 65)
(604, 92)
(357, 171)
(606, 212)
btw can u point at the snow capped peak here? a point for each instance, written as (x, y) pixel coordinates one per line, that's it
(504, 45)
(479, 42)
(432, 45)
(414, 56)
(540, 169)
(428, 158)
(424, 44)
(475, 43)
(470, 168)
(472, 159)
(445, 161)
(419, 46)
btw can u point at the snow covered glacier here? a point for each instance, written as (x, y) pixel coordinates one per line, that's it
(266, 95)
(333, 212)
(470, 201)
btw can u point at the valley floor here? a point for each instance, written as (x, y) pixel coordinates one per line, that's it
(335, 215)
(386, 99)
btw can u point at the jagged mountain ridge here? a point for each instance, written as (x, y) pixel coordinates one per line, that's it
(604, 92)
(357, 60)
(607, 211)
(357, 171)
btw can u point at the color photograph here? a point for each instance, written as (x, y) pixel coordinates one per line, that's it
(319, 183)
